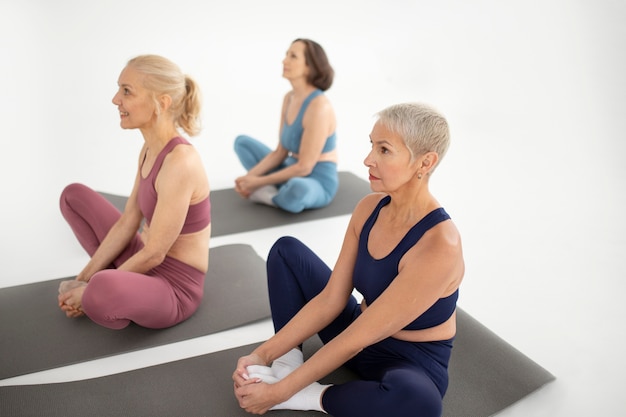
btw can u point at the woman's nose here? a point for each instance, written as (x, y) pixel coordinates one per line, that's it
(368, 160)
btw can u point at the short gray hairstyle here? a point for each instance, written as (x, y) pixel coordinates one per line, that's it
(422, 128)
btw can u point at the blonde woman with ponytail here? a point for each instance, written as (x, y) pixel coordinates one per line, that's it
(148, 262)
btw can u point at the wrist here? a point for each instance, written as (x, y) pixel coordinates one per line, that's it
(260, 358)
(82, 277)
(282, 392)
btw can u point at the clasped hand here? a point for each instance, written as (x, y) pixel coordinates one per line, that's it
(253, 394)
(246, 184)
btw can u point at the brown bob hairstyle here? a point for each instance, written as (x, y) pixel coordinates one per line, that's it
(321, 73)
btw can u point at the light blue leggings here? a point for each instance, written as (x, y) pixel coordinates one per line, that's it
(299, 193)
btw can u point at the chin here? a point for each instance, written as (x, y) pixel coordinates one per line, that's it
(376, 188)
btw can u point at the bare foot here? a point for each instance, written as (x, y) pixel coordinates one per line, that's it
(65, 286)
(70, 300)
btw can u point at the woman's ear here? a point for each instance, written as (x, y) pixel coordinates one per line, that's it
(429, 160)
(165, 101)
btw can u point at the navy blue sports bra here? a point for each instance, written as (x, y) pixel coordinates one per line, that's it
(372, 276)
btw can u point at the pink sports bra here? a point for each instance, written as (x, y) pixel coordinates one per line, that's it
(198, 215)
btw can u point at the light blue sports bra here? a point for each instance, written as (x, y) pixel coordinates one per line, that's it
(291, 136)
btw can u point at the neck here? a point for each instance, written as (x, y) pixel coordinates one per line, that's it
(301, 88)
(412, 203)
(157, 136)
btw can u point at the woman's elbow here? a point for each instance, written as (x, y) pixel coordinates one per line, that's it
(355, 352)
(304, 169)
(153, 257)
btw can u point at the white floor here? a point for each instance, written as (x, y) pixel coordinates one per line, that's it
(534, 93)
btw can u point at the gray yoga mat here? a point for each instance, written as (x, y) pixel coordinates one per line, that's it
(230, 213)
(35, 335)
(486, 376)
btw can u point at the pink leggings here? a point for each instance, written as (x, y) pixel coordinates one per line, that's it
(162, 297)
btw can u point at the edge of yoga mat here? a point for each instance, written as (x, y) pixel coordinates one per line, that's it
(230, 213)
(486, 376)
(40, 337)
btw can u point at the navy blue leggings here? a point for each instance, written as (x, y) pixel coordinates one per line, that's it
(397, 378)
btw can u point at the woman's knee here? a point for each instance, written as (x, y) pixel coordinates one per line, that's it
(411, 390)
(299, 194)
(104, 290)
(74, 190)
(284, 258)
(292, 195)
(72, 193)
(281, 250)
(103, 298)
(241, 142)
(283, 246)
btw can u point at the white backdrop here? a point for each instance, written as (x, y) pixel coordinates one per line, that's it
(528, 88)
(534, 92)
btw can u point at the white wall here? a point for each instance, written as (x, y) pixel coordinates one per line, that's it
(533, 91)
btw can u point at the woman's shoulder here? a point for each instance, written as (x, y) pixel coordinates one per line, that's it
(319, 108)
(363, 210)
(320, 100)
(367, 204)
(182, 155)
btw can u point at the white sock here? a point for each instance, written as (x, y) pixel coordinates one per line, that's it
(287, 363)
(262, 372)
(309, 398)
(264, 195)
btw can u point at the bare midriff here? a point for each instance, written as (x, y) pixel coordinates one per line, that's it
(330, 156)
(443, 331)
(189, 248)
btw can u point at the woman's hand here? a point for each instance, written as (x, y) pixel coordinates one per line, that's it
(252, 394)
(256, 397)
(246, 184)
(240, 376)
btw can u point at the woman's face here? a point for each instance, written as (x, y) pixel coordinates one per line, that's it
(134, 102)
(294, 64)
(389, 161)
